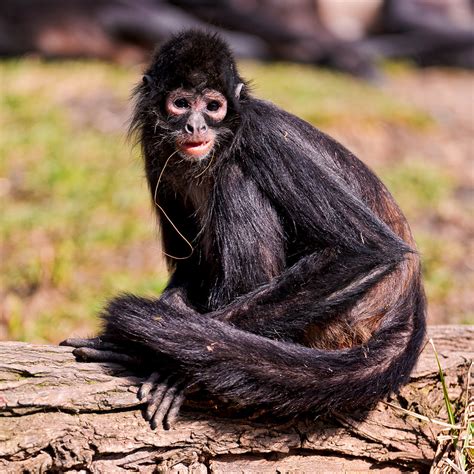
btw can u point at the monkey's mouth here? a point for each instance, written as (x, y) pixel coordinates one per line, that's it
(196, 148)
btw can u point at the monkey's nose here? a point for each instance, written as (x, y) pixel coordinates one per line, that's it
(190, 128)
(195, 125)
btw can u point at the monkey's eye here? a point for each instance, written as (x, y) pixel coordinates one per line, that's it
(181, 103)
(213, 105)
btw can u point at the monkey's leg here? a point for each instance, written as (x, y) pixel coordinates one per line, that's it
(317, 287)
(175, 297)
(313, 290)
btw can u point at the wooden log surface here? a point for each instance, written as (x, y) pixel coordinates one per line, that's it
(63, 416)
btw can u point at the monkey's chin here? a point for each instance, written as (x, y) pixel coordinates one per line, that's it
(196, 151)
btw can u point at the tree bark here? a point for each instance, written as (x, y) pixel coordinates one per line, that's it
(62, 416)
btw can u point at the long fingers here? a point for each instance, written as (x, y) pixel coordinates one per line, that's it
(164, 399)
(163, 396)
(173, 411)
(163, 408)
(93, 343)
(148, 386)
(155, 398)
(87, 354)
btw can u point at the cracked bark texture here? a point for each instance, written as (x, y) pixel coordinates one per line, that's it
(57, 415)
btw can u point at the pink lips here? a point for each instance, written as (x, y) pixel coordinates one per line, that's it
(196, 148)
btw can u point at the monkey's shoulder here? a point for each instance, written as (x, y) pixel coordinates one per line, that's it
(266, 123)
(286, 149)
(274, 135)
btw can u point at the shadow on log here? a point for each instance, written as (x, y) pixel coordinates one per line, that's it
(62, 416)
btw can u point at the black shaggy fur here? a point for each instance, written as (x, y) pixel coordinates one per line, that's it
(303, 291)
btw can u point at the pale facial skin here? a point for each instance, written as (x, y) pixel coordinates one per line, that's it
(197, 138)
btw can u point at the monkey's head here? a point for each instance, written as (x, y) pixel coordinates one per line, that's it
(190, 94)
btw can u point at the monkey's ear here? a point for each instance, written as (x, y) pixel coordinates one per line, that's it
(238, 90)
(147, 80)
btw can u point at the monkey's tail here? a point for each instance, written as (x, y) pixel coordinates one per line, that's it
(256, 372)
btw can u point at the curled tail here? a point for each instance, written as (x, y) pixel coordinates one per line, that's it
(256, 372)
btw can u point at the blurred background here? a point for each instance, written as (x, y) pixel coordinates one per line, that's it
(391, 79)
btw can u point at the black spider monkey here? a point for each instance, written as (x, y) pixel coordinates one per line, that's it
(295, 284)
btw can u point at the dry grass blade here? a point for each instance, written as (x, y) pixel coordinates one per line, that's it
(423, 417)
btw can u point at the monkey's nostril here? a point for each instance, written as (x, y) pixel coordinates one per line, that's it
(189, 128)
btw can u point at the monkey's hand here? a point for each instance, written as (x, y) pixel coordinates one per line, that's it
(163, 396)
(163, 391)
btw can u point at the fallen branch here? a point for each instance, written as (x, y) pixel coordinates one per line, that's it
(62, 416)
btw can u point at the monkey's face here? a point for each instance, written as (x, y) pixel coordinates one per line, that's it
(196, 116)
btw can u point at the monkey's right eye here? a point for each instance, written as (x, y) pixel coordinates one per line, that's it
(181, 103)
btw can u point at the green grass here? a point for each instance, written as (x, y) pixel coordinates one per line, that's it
(418, 186)
(75, 201)
(458, 447)
(76, 223)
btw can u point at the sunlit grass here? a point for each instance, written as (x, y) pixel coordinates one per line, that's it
(76, 206)
(418, 185)
(325, 98)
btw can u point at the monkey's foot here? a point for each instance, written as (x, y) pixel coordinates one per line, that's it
(98, 350)
(164, 397)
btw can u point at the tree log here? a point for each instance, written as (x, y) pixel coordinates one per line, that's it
(62, 416)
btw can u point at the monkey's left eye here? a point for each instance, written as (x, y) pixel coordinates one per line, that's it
(213, 105)
(181, 103)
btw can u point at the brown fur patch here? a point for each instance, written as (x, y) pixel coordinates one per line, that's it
(357, 325)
